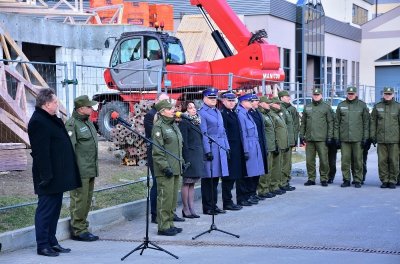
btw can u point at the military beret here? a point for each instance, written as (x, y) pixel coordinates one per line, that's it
(317, 91)
(388, 90)
(351, 89)
(163, 104)
(211, 92)
(283, 93)
(246, 97)
(229, 95)
(275, 100)
(83, 100)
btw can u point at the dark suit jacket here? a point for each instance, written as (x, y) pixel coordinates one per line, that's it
(53, 154)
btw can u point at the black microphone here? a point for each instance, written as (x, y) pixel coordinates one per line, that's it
(182, 115)
(115, 116)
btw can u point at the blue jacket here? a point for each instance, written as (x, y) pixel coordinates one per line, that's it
(251, 145)
(212, 125)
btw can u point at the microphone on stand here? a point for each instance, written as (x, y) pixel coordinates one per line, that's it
(115, 116)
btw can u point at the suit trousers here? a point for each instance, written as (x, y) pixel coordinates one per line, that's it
(209, 193)
(153, 189)
(46, 219)
(227, 186)
(81, 200)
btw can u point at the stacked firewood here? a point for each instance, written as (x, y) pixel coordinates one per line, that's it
(128, 146)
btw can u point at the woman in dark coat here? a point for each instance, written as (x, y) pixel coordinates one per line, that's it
(193, 153)
(54, 170)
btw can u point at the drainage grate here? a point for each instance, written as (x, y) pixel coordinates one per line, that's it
(206, 244)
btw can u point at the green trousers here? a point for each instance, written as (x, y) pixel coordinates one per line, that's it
(276, 171)
(264, 182)
(388, 162)
(286, 167)
(167, 195)
(352, 152)
(81, 200)
(312, 148)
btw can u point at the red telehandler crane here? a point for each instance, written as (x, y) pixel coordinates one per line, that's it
(143, 60)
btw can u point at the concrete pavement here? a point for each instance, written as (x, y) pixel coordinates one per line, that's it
(309, 225)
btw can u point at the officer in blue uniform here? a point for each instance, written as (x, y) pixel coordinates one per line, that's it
(216, 158)
(252, 151)
(236, 162)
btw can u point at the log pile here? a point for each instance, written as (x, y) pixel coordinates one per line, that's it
(13, 157)
(128, 147)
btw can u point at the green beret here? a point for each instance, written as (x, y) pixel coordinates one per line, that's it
(83, 100)
(264, 99)
(283, 93)
(163, 104)
(388, 90)
(351, 89)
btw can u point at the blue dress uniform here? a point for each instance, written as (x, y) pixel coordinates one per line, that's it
(252, 150)
(236, 162)
(212, 125)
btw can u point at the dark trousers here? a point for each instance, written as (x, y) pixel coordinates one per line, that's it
(153, 189)
(209, 193)
(365, 158)
(332, 151)
(254, 184)
(227, 186)
(46, 219)
(244, 188)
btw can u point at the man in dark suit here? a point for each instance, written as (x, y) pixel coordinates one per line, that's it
(54, 170)
(236, 163)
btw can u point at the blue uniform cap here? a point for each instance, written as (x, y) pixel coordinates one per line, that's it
(246, 97)
(211, 92)
(229, 95)
(255, 97)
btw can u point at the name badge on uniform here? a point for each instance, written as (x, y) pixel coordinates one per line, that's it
(344, 107)
(168, 130)
(83, 129)
(309, 108)
(380, 109)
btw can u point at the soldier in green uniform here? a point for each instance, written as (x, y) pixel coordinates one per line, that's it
(83, 136)
(351, 129)
(279, 118)
(167, 168)
(293, 126)
(385, 130)
(265, 185)
(316, 131)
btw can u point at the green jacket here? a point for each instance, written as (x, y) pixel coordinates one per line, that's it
(293, 122)
(269, 129)
(317, 122)
(166, 134)
(83, 136)
(352, 121)
(281, 129)
(385, 122)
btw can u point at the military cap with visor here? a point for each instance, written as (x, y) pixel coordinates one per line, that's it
(82, 101)
(283, 93)
(388, 90)
(229, 95)
(351, 89)
(211, 93)
(163, 104)
(317, 91)
(246, 97)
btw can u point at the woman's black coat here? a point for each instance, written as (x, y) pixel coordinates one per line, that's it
(53, 155)
(192, 149)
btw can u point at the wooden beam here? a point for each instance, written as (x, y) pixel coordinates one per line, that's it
(10, 131)
(5, 47)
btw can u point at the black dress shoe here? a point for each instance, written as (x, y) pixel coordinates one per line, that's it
(167, 232)
(186, 216)
(324, 183)
(178, 229)
(244, 203)
(345, 184)
(219, 211)
(60, 249)
(209, 212)
(278, 192)
(86, 237)
(48, 252)
(330, 181)
(258, 197)
(178, 219)
(252, 201)
(232, 207)
(309, 183)
(154, 219)
(357, 185)
(392, 186)
(398, 183)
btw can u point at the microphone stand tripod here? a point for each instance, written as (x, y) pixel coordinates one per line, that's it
(146, 242)
(213, 226)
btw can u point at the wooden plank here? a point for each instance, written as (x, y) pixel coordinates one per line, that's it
(20, 97)
(12, 146)
(5, 47)
(10, 132)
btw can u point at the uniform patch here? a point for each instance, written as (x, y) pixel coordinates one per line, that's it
(169, 130)
(84, 129)
(70, 133)
(344, 107)
(380, 109)
(158, 134)
(309, 108)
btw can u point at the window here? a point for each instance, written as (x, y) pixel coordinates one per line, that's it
(394, 55)
(286, 64)
(357, 73)
(129, 50)
(360, 15)
(344, 72)
(329, 72)
(338, 80)
(353, 73)
(153, 49)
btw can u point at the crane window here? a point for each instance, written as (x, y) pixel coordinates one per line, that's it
(153, 49)
(130, 50)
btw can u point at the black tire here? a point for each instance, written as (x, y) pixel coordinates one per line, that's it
(105, 122)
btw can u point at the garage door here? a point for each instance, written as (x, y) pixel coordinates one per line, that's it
(387, 76)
